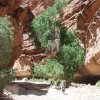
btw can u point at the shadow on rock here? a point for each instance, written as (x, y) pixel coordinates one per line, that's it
(26, 88)
(4, 97)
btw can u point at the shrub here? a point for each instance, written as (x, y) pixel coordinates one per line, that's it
(42, 24)
(6, 44)
(6, 40)
(54, 36)
(52, 68)
(70, 57)
(6, 76)
(71, 54)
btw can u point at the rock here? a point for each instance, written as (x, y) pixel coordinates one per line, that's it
(98, 83)
(24, 79)
(84, 16)
(21, 13)
(17, 46)
(23, 66)
(15, 89)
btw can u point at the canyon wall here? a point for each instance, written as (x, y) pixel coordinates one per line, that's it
(82, 15)
(21, 13)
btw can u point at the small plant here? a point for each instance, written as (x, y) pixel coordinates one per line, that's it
(52, 68)
(39, 80)
(6, 76)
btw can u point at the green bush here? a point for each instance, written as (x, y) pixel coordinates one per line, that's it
(52, 68)
(6, 44)
(71, 54)
(43, 25)
(54, 36)
(70, 57)
(6, 40)
(6, 76)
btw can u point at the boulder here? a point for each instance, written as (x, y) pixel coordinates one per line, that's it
(15, 89)
(23, 66)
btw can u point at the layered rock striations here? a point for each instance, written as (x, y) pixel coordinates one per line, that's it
(21, 13)
(84, 16)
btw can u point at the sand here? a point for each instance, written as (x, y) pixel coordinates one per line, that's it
(76, 92)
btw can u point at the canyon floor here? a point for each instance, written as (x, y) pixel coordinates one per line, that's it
(75, 92)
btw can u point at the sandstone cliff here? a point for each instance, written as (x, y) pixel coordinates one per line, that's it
(21, 13)
(83, 15)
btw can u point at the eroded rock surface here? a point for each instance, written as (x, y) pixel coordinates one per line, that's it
(23, 66)
(84, 15)
(21, 13)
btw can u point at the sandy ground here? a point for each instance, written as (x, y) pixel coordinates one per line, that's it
(82, 92)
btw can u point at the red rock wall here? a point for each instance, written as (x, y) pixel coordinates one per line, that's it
(7, 7)
(84, 15)
(21, 12)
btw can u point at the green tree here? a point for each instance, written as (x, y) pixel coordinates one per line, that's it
(42, 24)
(6, 44)
(6, 40)
(54, 36)
(71, 54)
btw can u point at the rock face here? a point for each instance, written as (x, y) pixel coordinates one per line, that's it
(23, 66)
(84, 15)
(17, 47)
(21, 13)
